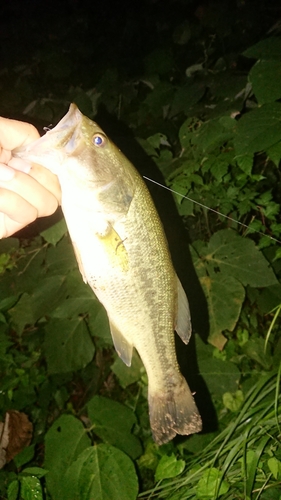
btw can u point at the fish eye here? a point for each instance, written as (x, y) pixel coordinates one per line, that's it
(99, 140)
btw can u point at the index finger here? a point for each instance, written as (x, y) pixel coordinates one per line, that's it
(14, 133)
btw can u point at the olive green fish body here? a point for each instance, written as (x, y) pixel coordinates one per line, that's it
(122, 253)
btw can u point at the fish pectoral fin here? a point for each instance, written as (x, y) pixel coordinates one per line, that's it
(123, 348)
(114, 248)
(183, 321)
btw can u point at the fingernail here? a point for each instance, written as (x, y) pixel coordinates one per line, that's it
(6, 173)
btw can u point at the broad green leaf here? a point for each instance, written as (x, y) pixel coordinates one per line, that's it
(219, 376)
(54, 233)
(7, 245)
(100, 472)
(99, 326)
(157, 140)
(245, 162)
(274, 467)
(113, 423)
(269, 298)
(185, 133)
(160, 96)
(225, 296)
(232, 255)
(22, 313)
(254, 349)
(274, 153)
(34, 471)
(128, 374)
(68, 345)
(31, 488)
(186, 96)
(210, 484)
(60, 259)
(265, 77)
(169, 466)
(233, 401)
(64, 441)
(210, 135)
(25, 456)
(226, 86)
(258, 130)
(269, 48)
(49, 292)
(13, 490)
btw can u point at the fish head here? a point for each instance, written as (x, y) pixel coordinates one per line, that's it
(86, 161)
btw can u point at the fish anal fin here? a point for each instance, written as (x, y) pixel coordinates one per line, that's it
(172, 413)
(183, 321)
(123, 348)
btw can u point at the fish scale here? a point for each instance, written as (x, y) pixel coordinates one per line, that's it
(122, 253)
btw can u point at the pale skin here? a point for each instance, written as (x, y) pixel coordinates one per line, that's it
(27, 191)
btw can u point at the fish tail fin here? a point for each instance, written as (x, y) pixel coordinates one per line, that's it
(173, 412)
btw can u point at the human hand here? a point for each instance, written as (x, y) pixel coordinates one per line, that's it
(26, 191)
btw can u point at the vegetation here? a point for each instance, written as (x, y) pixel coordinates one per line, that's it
(193, 97)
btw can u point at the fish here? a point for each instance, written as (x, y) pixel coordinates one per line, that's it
(123, 255)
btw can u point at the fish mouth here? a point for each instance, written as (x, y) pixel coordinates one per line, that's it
(61, 140)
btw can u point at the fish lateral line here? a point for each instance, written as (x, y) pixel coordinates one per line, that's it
(212, 209)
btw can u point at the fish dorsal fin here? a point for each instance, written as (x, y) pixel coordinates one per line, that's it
(123, 348)
(183, 321)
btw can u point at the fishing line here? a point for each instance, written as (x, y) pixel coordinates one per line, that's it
(211, 209)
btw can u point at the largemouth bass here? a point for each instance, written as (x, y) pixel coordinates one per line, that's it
(123, 255)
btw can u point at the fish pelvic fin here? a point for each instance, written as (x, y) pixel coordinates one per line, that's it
(172, 413)
(183, 321)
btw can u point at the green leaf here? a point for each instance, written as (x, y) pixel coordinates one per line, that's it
(258, 130)
(31, 488)
(233, 401)
(274, 153)
(224, 295)
(55, 233)
(68, 345)
(168, 467)
(232, 255)
(219, 376)
(274, 466)
(40, 302)
(64, 441)
(13, 490)
(245, 162)
(159, 97)
(210, 135)
(113, 423)
(265, 77)
(127, 375)
(22, 313)
(210, 484)
(25, 456)
(269, 48)
(34, 471)
(186, 96)
(254, 349)
(101, 472)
